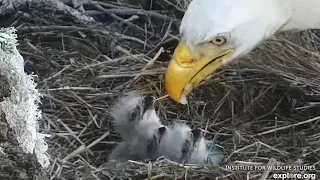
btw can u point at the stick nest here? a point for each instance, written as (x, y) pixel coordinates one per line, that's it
(263, 110)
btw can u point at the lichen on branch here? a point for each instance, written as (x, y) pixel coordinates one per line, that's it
(21, 108)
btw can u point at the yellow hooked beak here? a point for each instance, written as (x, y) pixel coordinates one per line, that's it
(187, 69)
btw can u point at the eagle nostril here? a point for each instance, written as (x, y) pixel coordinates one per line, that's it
(188, 61)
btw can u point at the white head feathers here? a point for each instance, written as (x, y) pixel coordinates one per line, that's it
(246, 23)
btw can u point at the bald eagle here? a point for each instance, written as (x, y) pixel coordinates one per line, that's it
(216, 32)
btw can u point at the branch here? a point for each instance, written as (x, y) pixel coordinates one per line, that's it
(10, 7)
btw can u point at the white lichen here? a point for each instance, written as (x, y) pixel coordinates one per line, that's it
(22, 107)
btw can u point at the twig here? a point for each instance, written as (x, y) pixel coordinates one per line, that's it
(288, 126)
(73, 134)
(150, 63)
(57, 74)
(265, 174)
(84, 147)
(131, 11)
(132, 74)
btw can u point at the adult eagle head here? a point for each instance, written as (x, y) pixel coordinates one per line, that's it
(215, 32)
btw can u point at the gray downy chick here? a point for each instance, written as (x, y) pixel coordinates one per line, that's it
(153, 151)
(136, 121)
(134, 114)
(181, 144)
(172, 143)
(203, 151)
(135, 150)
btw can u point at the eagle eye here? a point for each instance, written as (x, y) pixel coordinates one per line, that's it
(219, 40)
(134, 113)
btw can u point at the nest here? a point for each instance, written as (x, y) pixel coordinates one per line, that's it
(263, 110)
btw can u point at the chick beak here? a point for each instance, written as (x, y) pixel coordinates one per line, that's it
(148, 103)
(197, 135)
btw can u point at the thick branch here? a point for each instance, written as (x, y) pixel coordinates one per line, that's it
(10, 7)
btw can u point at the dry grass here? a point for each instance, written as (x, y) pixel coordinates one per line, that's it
(264, 109)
